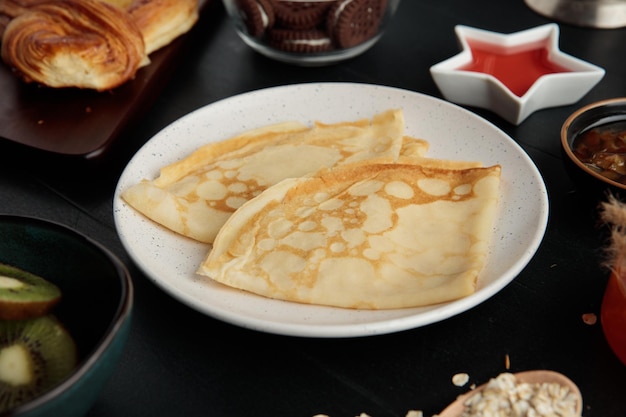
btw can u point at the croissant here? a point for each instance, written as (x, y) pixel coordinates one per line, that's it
(13, 8)
(162, 21)
(4, 21)
(10, 9)
(73, 43)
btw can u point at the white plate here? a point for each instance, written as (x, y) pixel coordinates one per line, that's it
(454, 133)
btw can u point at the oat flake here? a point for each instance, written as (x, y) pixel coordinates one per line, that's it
(460, 379)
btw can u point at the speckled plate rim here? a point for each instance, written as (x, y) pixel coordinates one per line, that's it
(453, 132)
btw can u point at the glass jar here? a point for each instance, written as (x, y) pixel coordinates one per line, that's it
(613, 314)
(311, 32)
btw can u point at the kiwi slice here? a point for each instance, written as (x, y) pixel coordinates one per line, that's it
(24, 295)
(35, 355)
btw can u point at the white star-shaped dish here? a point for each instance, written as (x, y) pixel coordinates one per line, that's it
(463, 79)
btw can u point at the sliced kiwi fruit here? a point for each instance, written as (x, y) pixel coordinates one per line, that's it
(24, 295)
(35, 355)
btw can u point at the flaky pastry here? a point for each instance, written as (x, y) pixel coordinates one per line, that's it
(74, 43)
(88, 43)
(162, 21)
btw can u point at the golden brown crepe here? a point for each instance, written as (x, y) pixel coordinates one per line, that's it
(196, 195)
(366, 236)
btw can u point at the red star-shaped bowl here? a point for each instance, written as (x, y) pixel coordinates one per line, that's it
(515, 74)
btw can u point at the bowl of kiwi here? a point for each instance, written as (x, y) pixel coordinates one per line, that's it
(59, 344)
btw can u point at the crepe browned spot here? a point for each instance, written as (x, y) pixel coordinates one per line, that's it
(363, 236)
(196, 195)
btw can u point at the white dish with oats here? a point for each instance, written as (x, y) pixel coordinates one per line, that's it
(171, 260)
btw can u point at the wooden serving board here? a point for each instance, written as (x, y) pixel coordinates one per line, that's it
(82, 123)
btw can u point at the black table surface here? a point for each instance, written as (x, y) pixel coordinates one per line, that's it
(178, 361)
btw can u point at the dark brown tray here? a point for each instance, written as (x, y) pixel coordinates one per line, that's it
(76, 122)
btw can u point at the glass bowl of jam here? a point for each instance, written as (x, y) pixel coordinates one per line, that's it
(593, 139)
(311, 32)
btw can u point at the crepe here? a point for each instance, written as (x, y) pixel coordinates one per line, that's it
(362, 236)
(196, 195)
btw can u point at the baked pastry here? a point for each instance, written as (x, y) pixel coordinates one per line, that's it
(4, 21)
(13, 8)
(162, 21)
(257, 15)
(364, 236)
(301, 15)
(196, 195)
(88, 43)
(122, 4)
(312, 26)
(351, 22)
(300, 41)
(10, 9)
(74, 43)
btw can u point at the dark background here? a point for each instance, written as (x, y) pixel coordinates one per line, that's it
(180, 362)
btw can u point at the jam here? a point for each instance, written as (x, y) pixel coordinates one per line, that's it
(518, 70)
(602, 148)
(613, 315)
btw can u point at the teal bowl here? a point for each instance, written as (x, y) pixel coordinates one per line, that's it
(95, 307)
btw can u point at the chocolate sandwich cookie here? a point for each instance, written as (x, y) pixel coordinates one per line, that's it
(300, 41)
(257, 15)
(351, 22)
(301, 15)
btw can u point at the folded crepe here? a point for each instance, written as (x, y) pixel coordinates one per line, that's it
(364, 236)
(196, 195)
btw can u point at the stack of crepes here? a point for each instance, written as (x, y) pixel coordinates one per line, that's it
(350, 214)
(91, 44)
